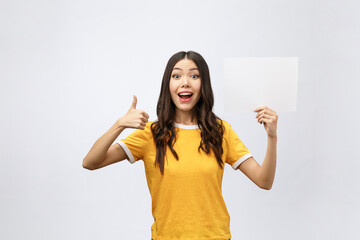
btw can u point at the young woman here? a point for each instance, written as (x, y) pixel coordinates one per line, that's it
(184, 153)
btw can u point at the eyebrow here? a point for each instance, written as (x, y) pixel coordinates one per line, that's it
(181, 69)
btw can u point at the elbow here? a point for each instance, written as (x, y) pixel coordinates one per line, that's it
(86, 166)
(266, 186)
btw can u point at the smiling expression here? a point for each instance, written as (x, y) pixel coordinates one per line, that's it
(185, 85)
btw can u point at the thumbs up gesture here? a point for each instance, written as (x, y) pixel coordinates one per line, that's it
(134, 118)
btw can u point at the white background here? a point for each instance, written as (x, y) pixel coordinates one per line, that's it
(68, 70)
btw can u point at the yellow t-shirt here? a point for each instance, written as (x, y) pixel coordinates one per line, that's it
(187, 201)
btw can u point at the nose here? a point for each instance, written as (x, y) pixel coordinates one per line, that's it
(185, 82)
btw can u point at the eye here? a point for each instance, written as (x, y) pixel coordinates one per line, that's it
(176, 76)
(194, 76)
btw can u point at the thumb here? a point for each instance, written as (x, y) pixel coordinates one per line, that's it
(133, 105)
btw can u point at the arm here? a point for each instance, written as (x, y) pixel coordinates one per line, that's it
(101, 154)
(263, 176)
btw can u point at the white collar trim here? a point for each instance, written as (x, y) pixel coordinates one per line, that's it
(178, 125)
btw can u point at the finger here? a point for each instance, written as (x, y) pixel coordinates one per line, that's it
(272, 111)
(259, 108)
(261, 112)
(266, 111)
(142, 125)
(265, 115)
(144, 119)
(146, 115)
(264, 120)
(133, 105)
(141, 122)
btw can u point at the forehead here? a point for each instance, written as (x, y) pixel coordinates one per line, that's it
(185, 64)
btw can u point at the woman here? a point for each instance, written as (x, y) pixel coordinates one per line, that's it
(184, 153)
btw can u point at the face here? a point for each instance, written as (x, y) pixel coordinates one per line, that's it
(185, 85)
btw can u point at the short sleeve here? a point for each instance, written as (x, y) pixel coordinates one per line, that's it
(236, 151)
(136, 143)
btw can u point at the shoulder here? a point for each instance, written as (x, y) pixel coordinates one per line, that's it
(224, 123)
(148, 126)
(149, 123)
(227, 129)
(226, 126)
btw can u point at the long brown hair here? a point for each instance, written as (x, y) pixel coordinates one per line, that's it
(211, 126)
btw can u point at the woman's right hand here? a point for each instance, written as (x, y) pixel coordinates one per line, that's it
(134, 118)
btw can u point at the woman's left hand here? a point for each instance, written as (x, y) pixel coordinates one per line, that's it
(269, 118)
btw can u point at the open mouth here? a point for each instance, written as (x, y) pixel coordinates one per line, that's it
(185, 96)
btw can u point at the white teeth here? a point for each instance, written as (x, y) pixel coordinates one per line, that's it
(185, 94)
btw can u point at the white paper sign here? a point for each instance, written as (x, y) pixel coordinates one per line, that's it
(253, 82)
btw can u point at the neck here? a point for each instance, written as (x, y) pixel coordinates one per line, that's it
(185, 118)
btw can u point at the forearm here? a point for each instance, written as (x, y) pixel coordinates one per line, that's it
(98, 151)
(269, 165)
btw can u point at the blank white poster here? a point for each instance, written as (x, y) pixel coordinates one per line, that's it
(252, 82)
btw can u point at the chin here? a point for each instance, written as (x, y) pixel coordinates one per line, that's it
(185, 108)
